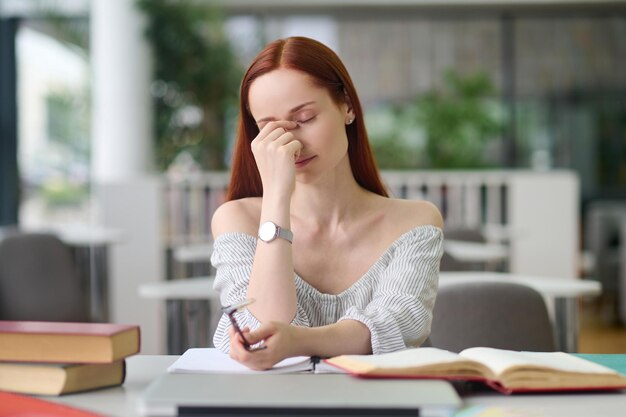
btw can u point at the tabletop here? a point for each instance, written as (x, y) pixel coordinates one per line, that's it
(548, 286)
(143, 369)
(202, 287)
(476, 251)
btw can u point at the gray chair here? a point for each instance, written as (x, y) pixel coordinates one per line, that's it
(493, 314)
(39, 280)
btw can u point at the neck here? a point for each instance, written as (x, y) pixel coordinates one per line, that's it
(330, 202)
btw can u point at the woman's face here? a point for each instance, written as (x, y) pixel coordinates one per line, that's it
(286, 94)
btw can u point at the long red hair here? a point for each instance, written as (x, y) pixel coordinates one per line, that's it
(327, 71)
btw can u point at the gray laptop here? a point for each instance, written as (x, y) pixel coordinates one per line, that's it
(295, 395)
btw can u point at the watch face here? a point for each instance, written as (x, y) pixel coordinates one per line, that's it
(267, 231)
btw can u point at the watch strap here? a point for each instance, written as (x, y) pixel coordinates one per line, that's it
(285, 234)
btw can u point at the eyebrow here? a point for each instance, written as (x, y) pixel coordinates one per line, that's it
(292, 111)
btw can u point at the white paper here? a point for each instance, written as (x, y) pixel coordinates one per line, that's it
(211, 360)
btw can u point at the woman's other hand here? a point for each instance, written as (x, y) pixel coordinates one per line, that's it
(280, 339)
(275, 151)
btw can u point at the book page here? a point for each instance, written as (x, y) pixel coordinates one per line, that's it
(500, 360)
(409, 359)
(211, 360)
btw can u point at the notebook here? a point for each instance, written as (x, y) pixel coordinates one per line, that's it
(305, 394)
(211, 360)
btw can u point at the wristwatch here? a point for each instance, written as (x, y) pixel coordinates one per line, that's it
(270, 231)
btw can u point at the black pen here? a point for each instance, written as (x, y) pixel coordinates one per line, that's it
(230, 312)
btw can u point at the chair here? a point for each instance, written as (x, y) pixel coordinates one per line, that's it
(39, 280)
(493, 314)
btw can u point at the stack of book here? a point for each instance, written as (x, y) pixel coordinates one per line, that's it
(54, 358)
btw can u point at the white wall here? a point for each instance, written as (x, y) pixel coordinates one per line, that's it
(544, 209)
(135, 208)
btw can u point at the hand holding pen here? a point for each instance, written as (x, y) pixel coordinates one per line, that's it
(230, 312)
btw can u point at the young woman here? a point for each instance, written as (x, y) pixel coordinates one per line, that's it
(335, 266)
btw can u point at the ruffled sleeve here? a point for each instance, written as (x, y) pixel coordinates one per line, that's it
(400, 312)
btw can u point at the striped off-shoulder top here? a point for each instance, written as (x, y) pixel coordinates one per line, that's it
(394, 298)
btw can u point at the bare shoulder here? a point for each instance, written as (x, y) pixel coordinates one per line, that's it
(414, 213)
(237, 216)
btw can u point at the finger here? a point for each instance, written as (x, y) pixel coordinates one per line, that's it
(283, 139)
(274, 135)
(294, 147)
(260, 334)
(271, 126)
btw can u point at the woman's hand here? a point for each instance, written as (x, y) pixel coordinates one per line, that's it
(275, 150)
(280, 339)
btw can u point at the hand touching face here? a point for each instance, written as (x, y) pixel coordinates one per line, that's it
(276, 151)
(281, 97)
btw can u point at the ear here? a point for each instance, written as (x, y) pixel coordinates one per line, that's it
(349, 115)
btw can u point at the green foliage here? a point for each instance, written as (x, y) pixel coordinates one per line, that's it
(196, 79)
(68, 123)
(60, 192)
(451, 128)
(396, 140)
(459, 121)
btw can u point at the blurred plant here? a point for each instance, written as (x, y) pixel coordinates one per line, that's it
(59, 192)
(450, 128)
(396, 140)
(460, 121)
(196, 79)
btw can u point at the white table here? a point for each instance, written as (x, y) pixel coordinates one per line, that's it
(476, 251)
(143, 369)
(562, 291)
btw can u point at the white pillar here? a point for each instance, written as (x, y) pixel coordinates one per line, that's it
(127, 197)
(122, 108)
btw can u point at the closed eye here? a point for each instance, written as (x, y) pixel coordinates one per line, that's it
(302, 121)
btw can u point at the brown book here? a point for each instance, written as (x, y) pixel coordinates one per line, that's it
(57, 379)
(57, 342)
(504, 370)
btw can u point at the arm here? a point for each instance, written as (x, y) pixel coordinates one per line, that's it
(271, 283)
(283, 341)
(398, 315)
(233, 255)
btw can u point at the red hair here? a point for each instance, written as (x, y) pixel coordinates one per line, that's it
(327, 71)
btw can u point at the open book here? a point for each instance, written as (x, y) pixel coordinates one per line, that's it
(504, 370)
(210, 360)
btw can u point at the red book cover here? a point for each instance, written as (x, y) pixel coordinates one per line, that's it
(14, 405)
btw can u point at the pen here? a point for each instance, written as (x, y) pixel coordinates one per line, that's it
(230, 312)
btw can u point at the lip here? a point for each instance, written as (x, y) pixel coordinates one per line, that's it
(304, 161)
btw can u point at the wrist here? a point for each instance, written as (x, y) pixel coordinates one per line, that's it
(301, 344)
(276, 210)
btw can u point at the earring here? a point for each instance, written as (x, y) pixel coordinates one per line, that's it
(349, 122)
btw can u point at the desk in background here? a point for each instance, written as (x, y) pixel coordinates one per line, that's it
(143, 369)
(483, 255)
(192, 302)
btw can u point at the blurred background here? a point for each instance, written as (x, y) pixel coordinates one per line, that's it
(117, 121)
